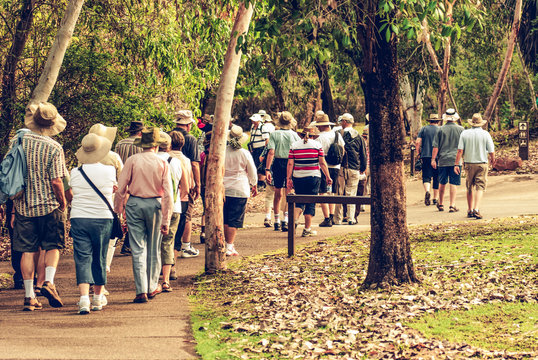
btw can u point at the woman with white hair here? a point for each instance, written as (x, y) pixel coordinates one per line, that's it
(240, 178)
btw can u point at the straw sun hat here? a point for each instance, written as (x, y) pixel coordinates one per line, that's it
(236, 132)
(285, 120)
(43, 118)
(477, 120)
(94, 148)
(184, 117)
(151, 137)
(106, 131)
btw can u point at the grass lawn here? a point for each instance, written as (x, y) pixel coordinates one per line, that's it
(477, 297)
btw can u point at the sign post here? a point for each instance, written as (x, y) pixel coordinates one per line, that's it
(523, 140)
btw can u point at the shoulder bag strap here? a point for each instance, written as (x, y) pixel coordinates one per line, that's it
(96, 190)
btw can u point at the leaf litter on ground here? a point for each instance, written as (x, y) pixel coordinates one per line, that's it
(313, 305)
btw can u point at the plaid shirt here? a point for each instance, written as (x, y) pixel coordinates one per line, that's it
(45, 161)
(125, 148)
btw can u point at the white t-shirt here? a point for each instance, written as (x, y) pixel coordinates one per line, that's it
(326, 139)
(176, 173)
(86, 203)
(239, 173)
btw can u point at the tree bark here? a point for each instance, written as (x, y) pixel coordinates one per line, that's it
(9, 90)
(215, 245)
(390, 254)
(327, 103)
(529, 80)
(279, 95)
(506, 63)
(56, 55)
(412, 105)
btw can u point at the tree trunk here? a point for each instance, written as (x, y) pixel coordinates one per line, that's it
(275, 83)
(390, 254)
(327, 103)
(412, 105)
(529, 80)
(506, 63)
(9, 89)
(215, 245)
(56, 55)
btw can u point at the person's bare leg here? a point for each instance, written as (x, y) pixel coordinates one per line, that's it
(39, 260)
(28, 265)
(276, 204)
(307, 221)
(441, 193)
(470, 200)
(435, 194)
(324, 208)
(331, 208)
(186, 238)
(453, 191)
(52, 257)
(84, 289)
(166, 273)
(229, 234)
(98, 290)
(478, 198)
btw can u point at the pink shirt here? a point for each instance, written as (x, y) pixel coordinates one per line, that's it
(146, 175)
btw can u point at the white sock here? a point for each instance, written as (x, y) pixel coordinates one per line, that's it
(185, 246)
(229, 246)
(308, 229)
(96, 297)
(50, 271)
(277, 218)
(268, 215)
(29, 288)
(286, 216)
(84, 299)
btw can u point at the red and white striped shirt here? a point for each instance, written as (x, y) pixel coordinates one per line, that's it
(306, 158)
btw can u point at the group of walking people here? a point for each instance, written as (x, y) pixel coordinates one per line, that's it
(445, 150)
(149, 180)
(322, 158)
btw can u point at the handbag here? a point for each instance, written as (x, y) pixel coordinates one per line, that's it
(418, 164)
(117, 231)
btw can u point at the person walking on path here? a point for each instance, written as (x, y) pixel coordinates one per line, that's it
(239, 181)
(186, 185)
(277, 161)
(353, 165)
(184, 121)
(260, 131)
(125, 148)
(424, 145)
(326, 138)
(445, 147)
(475, 145)
(91, 219)
(145, 194)
(39, 216)
(167, 244)
(303, 174)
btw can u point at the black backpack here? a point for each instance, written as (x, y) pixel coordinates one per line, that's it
(335, 154)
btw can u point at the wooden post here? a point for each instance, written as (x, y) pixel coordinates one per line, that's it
(291, 227)
(215, 247)
(413, 160)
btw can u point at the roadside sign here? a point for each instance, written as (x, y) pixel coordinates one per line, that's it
(523, 140)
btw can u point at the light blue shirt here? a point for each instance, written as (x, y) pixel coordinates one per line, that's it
(476, 144)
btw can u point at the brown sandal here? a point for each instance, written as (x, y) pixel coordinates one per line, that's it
(440, 207)
(453, 209)
(167, 287)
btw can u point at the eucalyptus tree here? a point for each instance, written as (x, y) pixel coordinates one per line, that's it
(528, 35)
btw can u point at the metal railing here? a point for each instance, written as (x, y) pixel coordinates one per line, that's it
(316, 199)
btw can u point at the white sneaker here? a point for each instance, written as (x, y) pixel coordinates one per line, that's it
(307, 233)
(83, 307)
(231, 252)
(189, 252)
(97, 304)
(104, 301)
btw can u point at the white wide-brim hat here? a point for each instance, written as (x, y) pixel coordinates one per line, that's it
(107, 131)
(94, 148)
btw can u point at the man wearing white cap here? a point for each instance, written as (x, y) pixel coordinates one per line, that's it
(445, 148)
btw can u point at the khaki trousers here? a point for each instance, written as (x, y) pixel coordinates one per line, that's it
(351, 181)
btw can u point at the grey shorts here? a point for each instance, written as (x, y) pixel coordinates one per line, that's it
(46, 232)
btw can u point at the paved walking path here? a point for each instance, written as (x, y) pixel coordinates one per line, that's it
(160, 329)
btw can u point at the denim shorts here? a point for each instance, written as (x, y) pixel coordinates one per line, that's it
(447, 175)
(307, 186)
(90, 247)
(429, 173)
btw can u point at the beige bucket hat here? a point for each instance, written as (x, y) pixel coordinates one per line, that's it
(285, 120)
(184, 117)
(43, 118)
(107, 131)
(477, 120)
(321, 119)
(94, 149)
(236, 132)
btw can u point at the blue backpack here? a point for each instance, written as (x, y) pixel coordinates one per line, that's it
(13, 171)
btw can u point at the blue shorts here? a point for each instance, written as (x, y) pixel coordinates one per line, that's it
(279, 170)
(429, 173)
(447, 175)
(307, 186)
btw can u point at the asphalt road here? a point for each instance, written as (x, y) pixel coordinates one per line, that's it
(161, 329)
